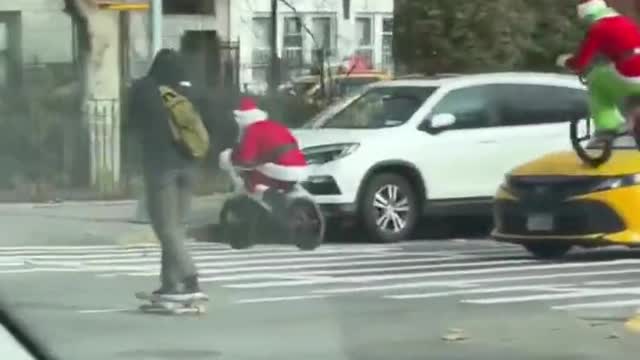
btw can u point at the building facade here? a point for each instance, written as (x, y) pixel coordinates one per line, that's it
(27, 30)
(362, 27)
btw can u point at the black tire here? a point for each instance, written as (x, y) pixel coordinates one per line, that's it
(371, 215)
(548, 250)
(236, 225)
(586, 157)
(306, 224)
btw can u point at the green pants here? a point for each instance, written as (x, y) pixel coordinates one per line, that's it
(607, 91)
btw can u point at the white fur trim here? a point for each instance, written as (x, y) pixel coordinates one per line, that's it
(285, 173)
(590, 7)
(628, 79)
(246, 118)
(224, 160)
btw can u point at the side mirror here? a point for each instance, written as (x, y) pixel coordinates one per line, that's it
(442, 121)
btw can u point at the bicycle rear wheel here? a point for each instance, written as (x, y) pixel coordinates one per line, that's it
(592, 157)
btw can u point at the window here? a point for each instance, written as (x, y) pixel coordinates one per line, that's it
(322, 29)
(512, 105)
(539, 104)
(381, 107)
(261, 51)
(387, 42)
(292, 42)
(473, 107)
(364, 31)
(351, 85)
(188, 7)
(4, 55)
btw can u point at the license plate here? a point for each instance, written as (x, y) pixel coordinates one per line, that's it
(540, 222)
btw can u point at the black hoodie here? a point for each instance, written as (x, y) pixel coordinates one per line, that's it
(150, 119)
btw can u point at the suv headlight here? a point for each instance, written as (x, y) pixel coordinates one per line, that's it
(325, 153)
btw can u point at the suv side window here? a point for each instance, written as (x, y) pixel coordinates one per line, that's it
(473, 106)
(529, 104)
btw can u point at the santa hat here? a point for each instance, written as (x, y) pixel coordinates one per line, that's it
(248, 112)
(593, 9)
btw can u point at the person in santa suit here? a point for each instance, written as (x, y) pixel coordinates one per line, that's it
(616, 38)
(269, 150)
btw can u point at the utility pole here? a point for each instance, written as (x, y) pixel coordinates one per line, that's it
(274, 73)
(141, 215)
(156, 26)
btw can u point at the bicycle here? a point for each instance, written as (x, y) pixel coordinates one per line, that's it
(592, 154)
(292, 215)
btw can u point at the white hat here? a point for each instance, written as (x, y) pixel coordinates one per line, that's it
(591, 8)
(248, 112)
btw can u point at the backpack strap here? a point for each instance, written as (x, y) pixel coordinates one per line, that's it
(167, 93)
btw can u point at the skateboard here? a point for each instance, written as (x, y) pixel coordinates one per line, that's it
(155, 305)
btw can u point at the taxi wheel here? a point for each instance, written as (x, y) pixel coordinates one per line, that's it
(548, 251)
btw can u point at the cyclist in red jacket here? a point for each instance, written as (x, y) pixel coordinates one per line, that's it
(617, 38)
(266, 147)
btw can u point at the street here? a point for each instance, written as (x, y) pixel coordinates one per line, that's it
(449, 299)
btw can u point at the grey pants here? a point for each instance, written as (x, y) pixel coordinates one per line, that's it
(168, 203)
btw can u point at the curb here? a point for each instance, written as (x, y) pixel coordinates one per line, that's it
(101, 203)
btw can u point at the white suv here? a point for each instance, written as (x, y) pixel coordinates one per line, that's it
(404, 148)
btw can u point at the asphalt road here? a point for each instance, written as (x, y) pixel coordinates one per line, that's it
(343, 301)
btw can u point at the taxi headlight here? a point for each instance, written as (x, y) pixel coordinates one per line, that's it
(618, 182)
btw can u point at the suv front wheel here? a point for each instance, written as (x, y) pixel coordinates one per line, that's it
(389, 208)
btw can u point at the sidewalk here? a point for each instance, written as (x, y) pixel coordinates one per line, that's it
(87, 223)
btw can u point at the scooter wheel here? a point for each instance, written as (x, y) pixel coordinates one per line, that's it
(306, 224)
(591, 157)
(236, 228)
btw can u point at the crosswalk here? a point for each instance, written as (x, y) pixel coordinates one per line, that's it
(480, 273)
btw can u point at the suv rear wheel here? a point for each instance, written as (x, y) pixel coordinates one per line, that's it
(389, 208)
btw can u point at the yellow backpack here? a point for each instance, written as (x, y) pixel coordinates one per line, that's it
(187, 127)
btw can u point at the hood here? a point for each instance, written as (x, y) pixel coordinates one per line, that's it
(622, 162)
(167, 68)
(317, 137)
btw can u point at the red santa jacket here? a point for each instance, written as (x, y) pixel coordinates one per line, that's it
(613, 37)
(271, 147)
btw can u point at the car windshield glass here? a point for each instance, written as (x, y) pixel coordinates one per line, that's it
(302, 87)
(381, 107)
(348, 86)
(622, 142)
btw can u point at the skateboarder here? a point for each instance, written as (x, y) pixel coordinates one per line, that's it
(168, 173)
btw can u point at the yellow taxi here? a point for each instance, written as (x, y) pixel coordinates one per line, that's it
(556, 202)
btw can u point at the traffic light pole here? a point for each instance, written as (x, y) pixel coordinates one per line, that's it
(141, 215)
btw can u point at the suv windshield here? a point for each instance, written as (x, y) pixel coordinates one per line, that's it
(381, 107)
(622, 142)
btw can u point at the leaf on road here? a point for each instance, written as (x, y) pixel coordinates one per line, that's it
(455, 335)
(633, 325)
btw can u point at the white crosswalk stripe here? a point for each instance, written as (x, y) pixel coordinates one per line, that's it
(479, 273)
